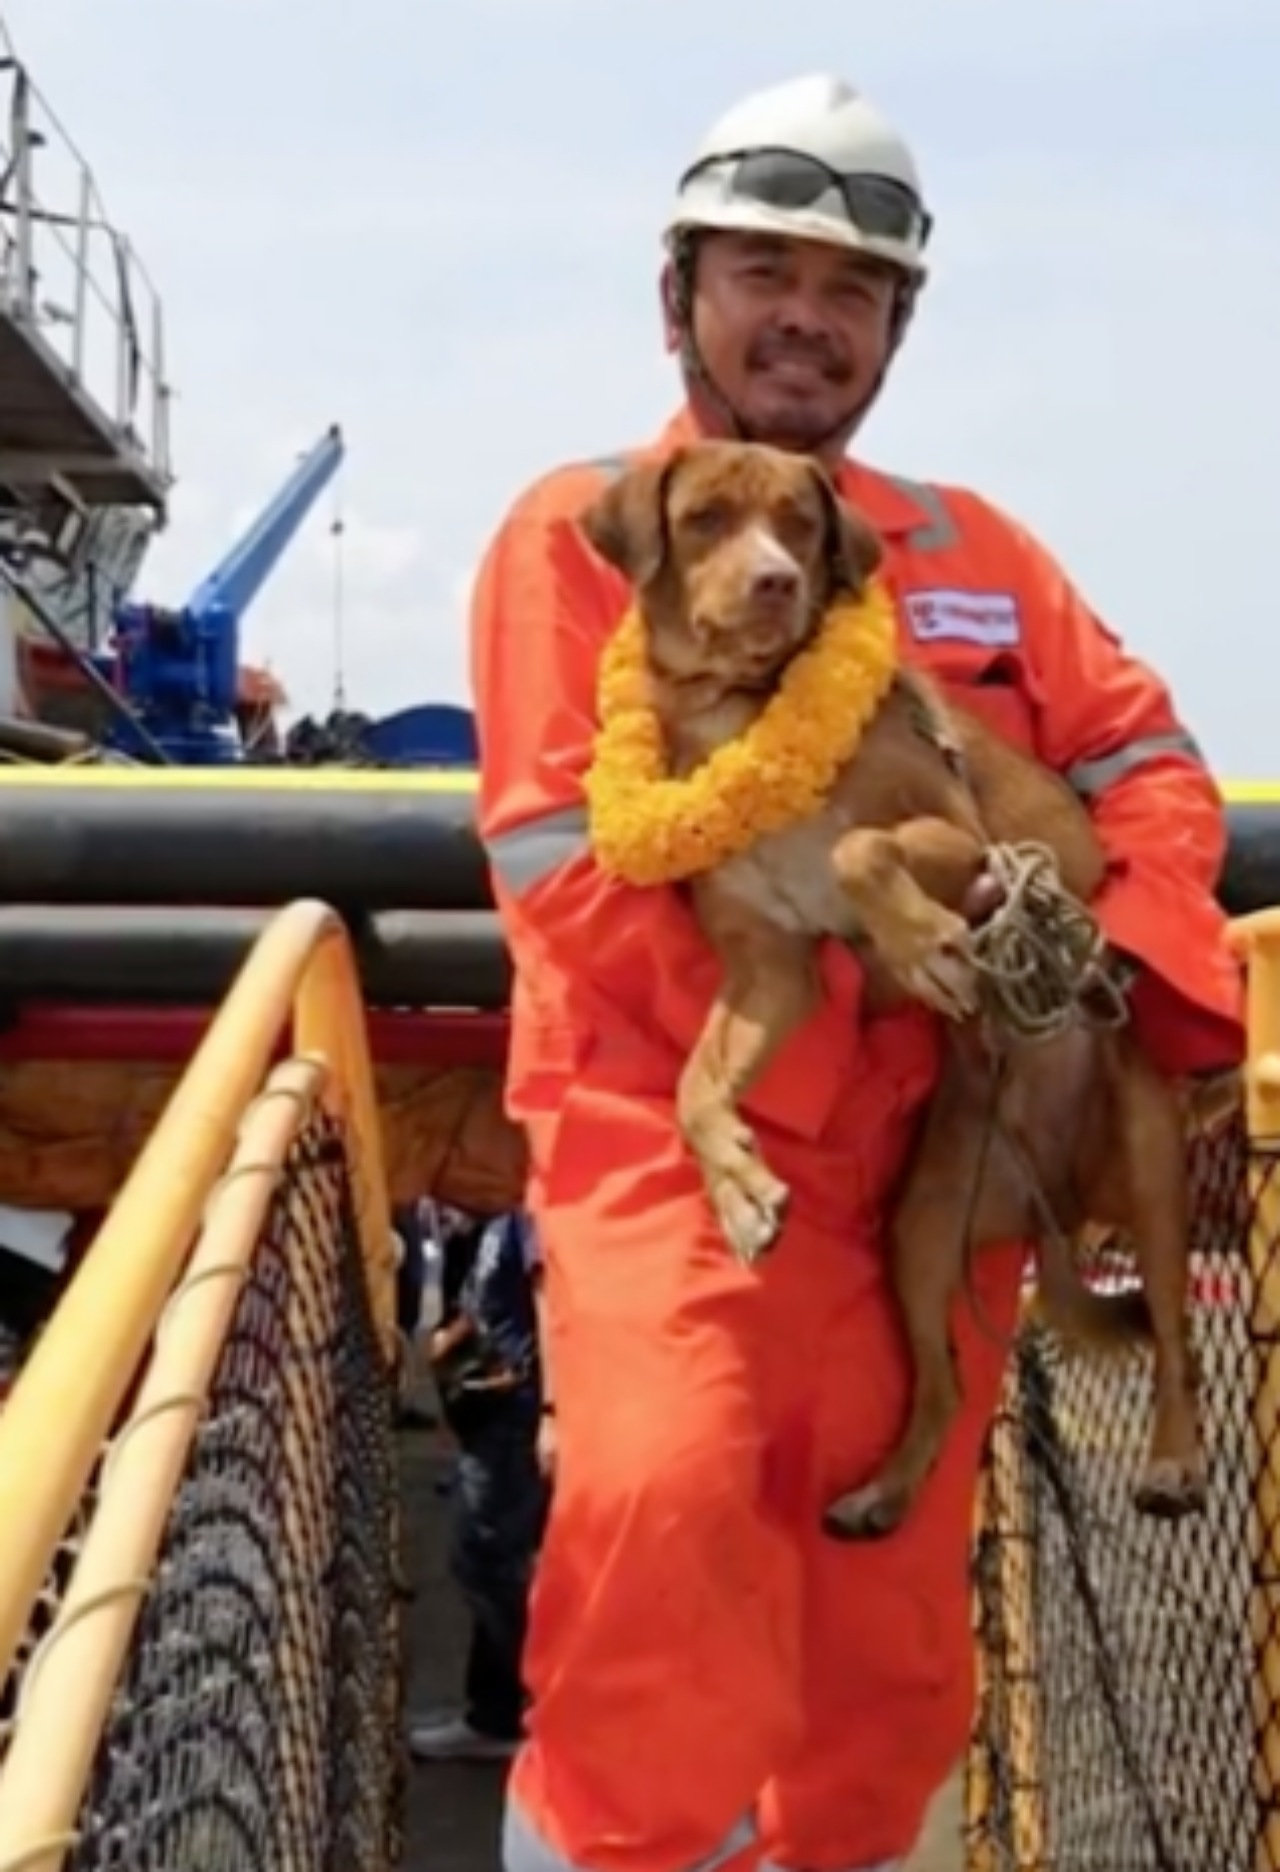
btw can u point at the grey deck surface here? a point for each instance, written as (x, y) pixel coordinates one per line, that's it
(453, 1809)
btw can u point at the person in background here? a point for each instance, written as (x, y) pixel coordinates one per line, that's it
(36, 1247)
(410, 1224)
(488, 1372)
(26, 1292)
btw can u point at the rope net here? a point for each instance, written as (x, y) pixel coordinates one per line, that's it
(253, 1723)
(1120, 1704)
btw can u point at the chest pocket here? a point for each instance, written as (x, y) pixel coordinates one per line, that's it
(990, 680)
(994, 685)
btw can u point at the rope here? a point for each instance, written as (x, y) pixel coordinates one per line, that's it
(338, 535)
(1042, 959)
(1044, 968)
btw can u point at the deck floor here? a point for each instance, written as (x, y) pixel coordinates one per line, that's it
(453, 1810)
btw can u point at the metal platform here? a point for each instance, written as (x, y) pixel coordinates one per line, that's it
(83, 397)
(52, 427)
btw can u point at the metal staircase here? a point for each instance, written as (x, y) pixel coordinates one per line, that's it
(85, 471)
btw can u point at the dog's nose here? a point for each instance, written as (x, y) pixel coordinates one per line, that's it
(776, 582)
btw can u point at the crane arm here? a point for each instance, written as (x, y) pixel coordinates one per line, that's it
(236, 581)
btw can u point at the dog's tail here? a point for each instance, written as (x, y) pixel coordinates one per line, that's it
(1107, 1323)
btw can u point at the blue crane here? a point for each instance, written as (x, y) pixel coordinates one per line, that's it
(178, 670)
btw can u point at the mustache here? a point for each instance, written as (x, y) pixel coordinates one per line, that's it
(784, 347)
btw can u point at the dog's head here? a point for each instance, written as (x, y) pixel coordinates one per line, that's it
(735, 551)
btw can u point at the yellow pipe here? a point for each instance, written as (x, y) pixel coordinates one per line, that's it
(259, 780)
(328, 996)
(254, 782)
(1005, 1508)
(1258, 938)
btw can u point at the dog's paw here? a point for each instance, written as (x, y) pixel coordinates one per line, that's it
(941, 970)
(751, 1207)
(749, 1202)
(1170, 1489)
(867, 1513)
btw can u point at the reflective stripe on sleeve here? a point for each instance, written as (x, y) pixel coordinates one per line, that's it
(1088, 778)
(530, 853)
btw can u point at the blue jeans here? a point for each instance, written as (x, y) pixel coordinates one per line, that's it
(500, 1505)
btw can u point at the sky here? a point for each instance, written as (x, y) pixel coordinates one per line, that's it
(439, 226)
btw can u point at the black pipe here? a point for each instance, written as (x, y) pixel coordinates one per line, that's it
(362, 842)
(185, 841)
(180, 958)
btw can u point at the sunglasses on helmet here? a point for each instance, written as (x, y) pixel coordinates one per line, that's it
(876, 206)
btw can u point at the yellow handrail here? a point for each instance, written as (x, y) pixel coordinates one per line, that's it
(1258, 939)
(300, 973)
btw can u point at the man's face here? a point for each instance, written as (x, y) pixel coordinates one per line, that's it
(794, 334)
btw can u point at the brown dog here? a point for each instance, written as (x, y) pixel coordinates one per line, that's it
(735, 551)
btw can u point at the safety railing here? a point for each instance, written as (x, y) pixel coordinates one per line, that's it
(1129, 1712)
(198, 1641)
(72, 276)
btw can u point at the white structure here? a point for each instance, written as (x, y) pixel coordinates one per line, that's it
(84, 404)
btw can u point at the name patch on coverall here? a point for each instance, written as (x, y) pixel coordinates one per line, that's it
(989, 619)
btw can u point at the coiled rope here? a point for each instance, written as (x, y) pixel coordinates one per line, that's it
(1043, 962)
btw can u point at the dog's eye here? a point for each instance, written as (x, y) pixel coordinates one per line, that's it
(798, 522)
(711, 517)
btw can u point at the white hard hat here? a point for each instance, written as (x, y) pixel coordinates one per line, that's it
(811, 160)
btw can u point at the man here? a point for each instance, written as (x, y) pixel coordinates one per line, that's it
(485, 1356)
(715, 1683)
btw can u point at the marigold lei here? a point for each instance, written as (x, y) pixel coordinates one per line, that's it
(648, 828)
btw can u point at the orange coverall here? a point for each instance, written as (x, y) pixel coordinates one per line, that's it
(714, 1681)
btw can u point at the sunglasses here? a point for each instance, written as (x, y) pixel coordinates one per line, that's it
(876, 206)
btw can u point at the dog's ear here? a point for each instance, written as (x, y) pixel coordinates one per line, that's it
(627, 523)
(854, 551)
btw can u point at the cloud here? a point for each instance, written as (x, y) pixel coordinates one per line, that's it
(447, 240)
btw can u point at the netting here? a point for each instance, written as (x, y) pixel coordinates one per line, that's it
(1118, 1728)
(43, 1614)
(252, 1730)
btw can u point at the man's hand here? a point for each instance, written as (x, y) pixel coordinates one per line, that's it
(446, 1339)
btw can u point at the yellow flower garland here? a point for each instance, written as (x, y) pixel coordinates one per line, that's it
(647, 828)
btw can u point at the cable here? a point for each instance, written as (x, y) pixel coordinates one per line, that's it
(337, 533)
